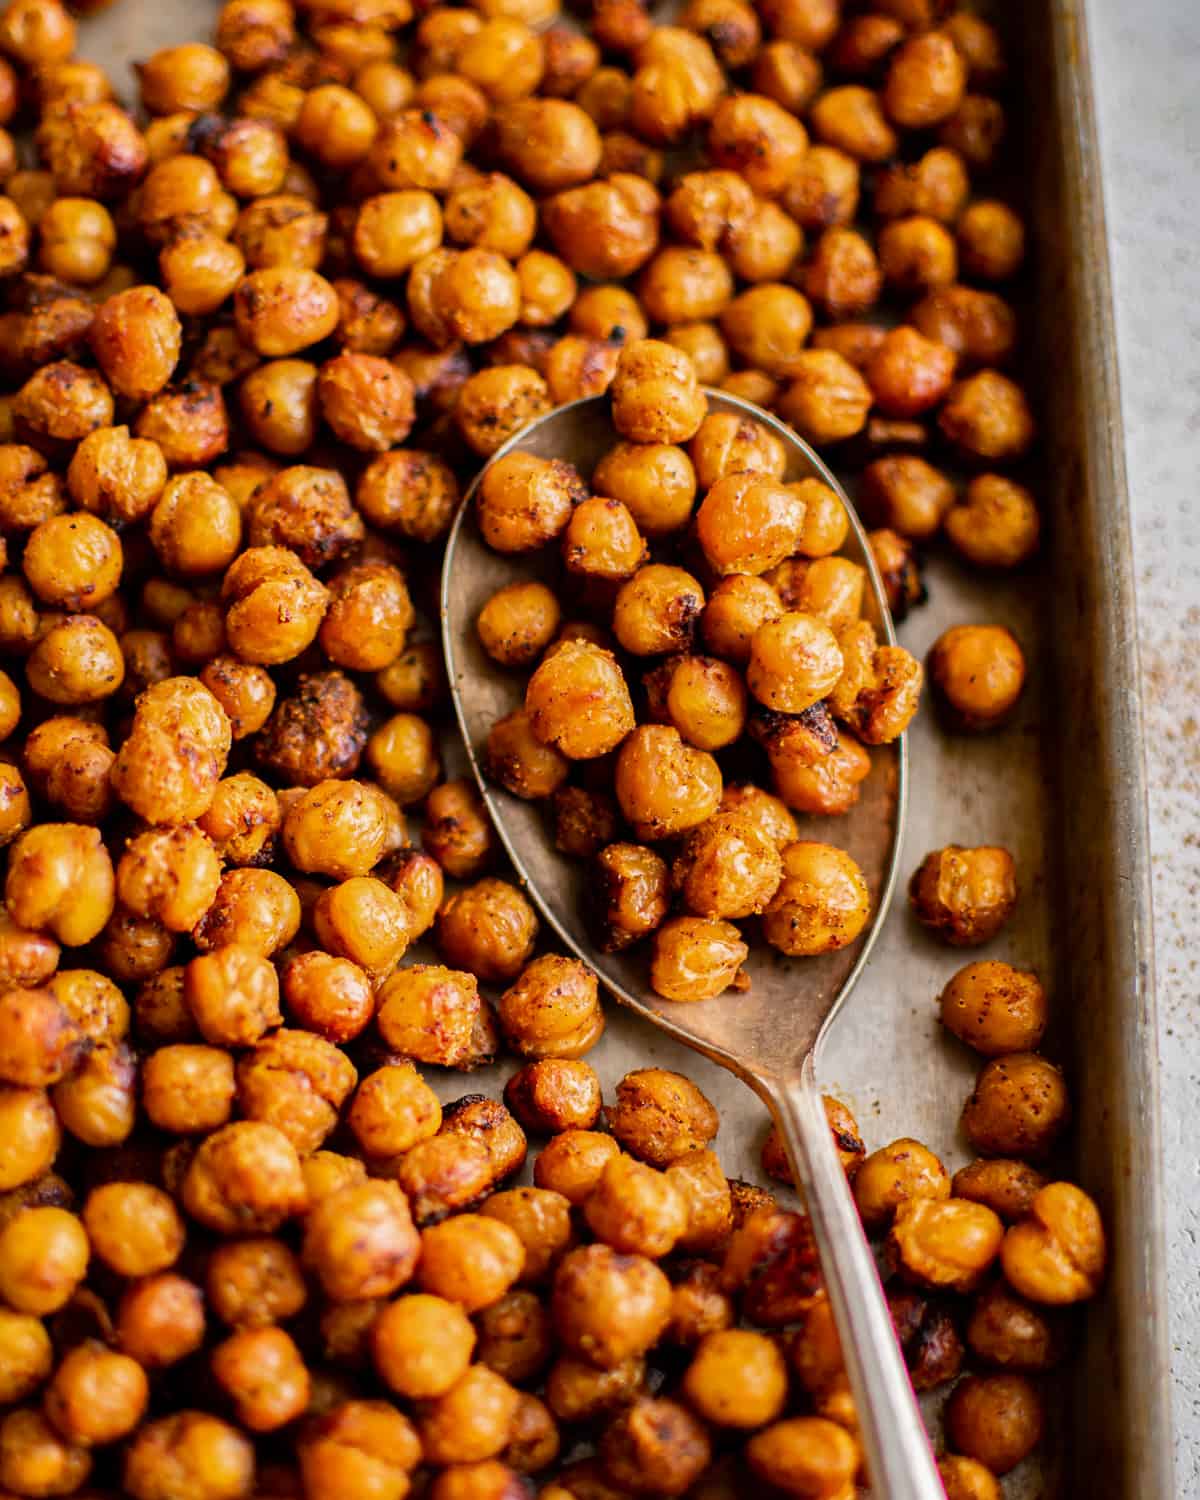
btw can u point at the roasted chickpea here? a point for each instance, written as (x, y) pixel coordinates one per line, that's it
(696, 958)
(735, 609)
(976, 130)
(233, 995)
(417, 879)
(552, 1009)
(35, 1459)
(631, 896)
(1006, 1187)
(909, 373)
(516, 759)
(189, 423)
(827, 399)
(936, 186)
(1019, 1107)
(191, 76)
(967, 1479)
(995, 1419)
(590, 1283)
(607, 228)
(518, 622)
(1008, 1332)
(635, 1209)
(457, 831)
(727, 444)
(553, 1095)
(275, 606)
(29, 1357)
(995, 1008)
(737, 1378)
(807, 1456)
(133, 1227)
(965, 896)
(367, 1444)
(926, 81)
(578, 701)
(664, 786)
(245, 1176)
(945, 1242)
(189, 1450)
(1057, 1254)
(60, 404)
(978, 672)
(729, 867)
(704, 346)
(361, 1242)
(97, 1396)
(656, 396)
(987, 417)
(283, 309)
(43, 1258)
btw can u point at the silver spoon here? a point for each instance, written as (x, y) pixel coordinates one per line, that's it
(768, 1036)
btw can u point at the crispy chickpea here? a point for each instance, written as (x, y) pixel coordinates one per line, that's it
(945, 1242)
(471, 1421)
(43, 1258)
(97, 1396)
(578, 701)
(263, 1374)
(656, 1442)
(524, 502)
(77, 241)
(680, 285)
(488, 1122)
(991, 241)
(896, 1175)
(136, 338)
(245, 1176)
(254, 1282)
(997, 526)
(516, 759)
(737, 1378)
(843, 276)
(192, 1453)
(656, 397)
(703, 698)
(1007, 1332)
(704, 345)
(827, 399)
(664, 786)
(602, 542)
(926, 81)
(966, 1479)
(60, 404)
(995, 1008)
(470, 1260)
(1019, 1107)
(632, 895)
(275, 605)
(1057, 1254)
(366, 1445)
(987, 417)
(552, 1009)
(936, 185)
(78, 660)
(188, 1088)
(282, 230)
(191, 76)
(906, 494)
(28, 1355)
(233, 995)
(297, 1082)
(696, 958)
(115, 476)
(729, 867)
(965, 896)
(422, 1345)
(978, 672)
(201, 272)
(787, 72)
(909, 373)
(806, 1456)
(657, 609)
(416, 878)
(457, 830)
(488, 928)
(752, 135)
(133, 1227)
(160, 1320)
(60, 878)
(607, 228)
(429, 1013)
(257, 910)
(748, 522)
(1006, 1187)
(283, 309)
(189, 423)
(728, 443)
(366, 400)
(698, 1306)
(97, 1104)
(31, 1138)
(35, 1459)
(591, 1283)
(553, 1095)
(496, 403)
(360, 1241)
(794, 662)
(995, 1419)
(518, 622)
(278, 401)
(735, 609)
(550, 145)
(851, 119)
(917, 255)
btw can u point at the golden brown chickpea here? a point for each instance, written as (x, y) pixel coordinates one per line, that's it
(635, 1209)
(963, 895)
(518, 622)
(366, 401)
(945, 1242)
(698, 1306)
(794, 662)
(116, 476)
(170, 874)
(516, 759)
(730, 25)
(278, 402)
(995, 1008)
(335, 126)
(571, 59)
(496, 403)
(550, 145)
(632, 895)
(191, 76)
(658, 1442)
(233, 995)
(188, 1088)
(470, 1260)
(696, 958)
(283, 309)
(275, 607)
(28, 1355)
(448, 1173)
(254, 909)
(245, 1176)
(471, 1421)
(255, 34)
(728, 443)
(457, 830)
(805, 1456)
(60, 878)
(735, 610)
(737, 1378)
(60, 404)
(829, 786)
(578, 700)
(926, 81)
(966, 1479)
(909, 373)
(422, 1345)
(136, 338)
(337, 828)
(360, 1241)
(899, 571)
(975, 131)
(601, 542)
(663, 785)
(827, 399)
(77, 240)
(553, 1095)
(489, 928)
(729, 867)
(917, 255)
(35, 1459)
(1006, 1187)
(607, 228)
(368, 1445)
(822, 903)
(254, 1282)
(552, 1009)
(429, 1013)
(1057, 1254)
(997, 526)
(97, 1396)
(133, 1227)
(540, 1217)
(850, 118)
(488, 1122)
(936, 186)
(622, 152)
(262, 1373)
(995, 1419)
(987, 417)
(189, 1452)
(759, 139)
(703, 698)
(31, 1140)
(516, 1341)
(78, 660)
(189, 423)
(282, 231)
(680, 285)
(43, 1258)
(1008, 1332)
(906, 494)
(297, 1082)
(590, 1285)
(1019, 1107)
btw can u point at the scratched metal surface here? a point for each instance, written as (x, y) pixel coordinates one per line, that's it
(1067, 772)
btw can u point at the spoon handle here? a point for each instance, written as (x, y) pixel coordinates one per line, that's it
(899, 1458)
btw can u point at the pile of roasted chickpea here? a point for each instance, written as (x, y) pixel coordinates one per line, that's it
(256, 332)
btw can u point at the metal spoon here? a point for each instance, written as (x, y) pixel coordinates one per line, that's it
(768, 1036)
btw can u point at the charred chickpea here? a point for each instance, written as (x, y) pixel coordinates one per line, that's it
(632, 895)
(1007, 1332)
(997, 524)
(976, 130)
(1019, 1107)
(1057, 1254)
(995, 1419)
(963, 895)
(895, 1175)
(657, 609)
(496, 403)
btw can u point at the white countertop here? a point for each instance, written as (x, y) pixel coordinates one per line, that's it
(1147, 64)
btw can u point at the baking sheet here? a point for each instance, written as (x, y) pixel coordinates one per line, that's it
(1062, 787)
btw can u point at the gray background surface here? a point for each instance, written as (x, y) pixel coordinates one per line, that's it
(1147, 64)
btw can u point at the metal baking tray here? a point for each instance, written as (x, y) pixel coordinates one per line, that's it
(1063, 787)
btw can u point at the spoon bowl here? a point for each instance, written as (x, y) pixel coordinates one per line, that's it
(769, 1033)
